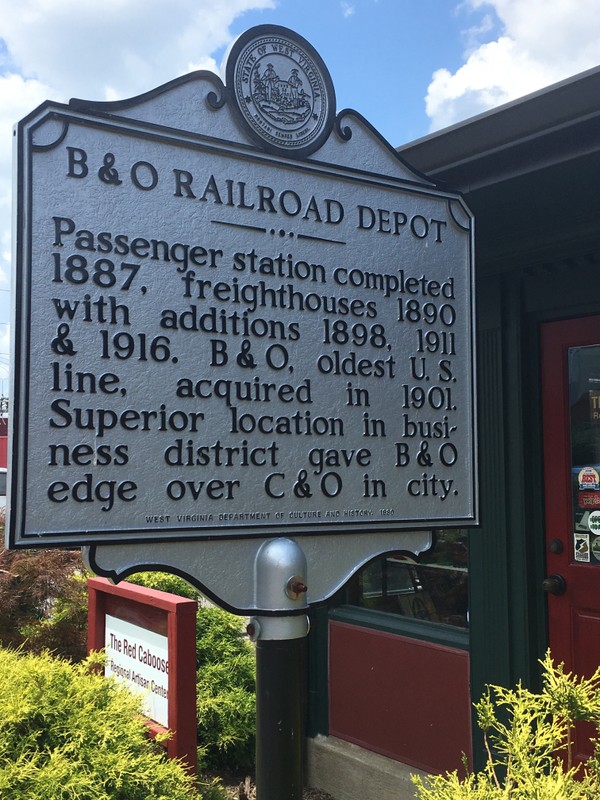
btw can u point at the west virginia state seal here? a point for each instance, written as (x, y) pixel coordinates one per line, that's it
(282, 89)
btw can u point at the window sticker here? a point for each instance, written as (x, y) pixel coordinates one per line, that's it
(585, 482)
(586, 546)
(594, 522)
(582, 546)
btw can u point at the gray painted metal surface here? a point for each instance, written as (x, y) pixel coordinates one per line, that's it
(226, 570)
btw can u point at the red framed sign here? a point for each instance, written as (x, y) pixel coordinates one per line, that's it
(150, 643)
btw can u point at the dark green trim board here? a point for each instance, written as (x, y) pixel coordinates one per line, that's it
(506, 636)
(488, 576)
(318, 673)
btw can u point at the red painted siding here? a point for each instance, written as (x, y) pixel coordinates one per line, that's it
(403, 698)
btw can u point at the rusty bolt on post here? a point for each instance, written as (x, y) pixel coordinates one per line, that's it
(253, 629)
(295, 588)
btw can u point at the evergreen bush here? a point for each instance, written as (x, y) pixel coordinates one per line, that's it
(66, 732)
(165, 582)
(226, 680)
(529, 744)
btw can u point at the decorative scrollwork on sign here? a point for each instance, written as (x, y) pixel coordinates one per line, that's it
(217, 98)
(343, 132)
(214, 101)
(49, 133)
(459, 215)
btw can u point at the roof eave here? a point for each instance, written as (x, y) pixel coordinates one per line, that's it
(549, 126)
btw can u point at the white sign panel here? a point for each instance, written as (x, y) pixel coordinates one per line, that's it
(139, 658)
(216, 338)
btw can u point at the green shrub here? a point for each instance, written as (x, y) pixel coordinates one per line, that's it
(226, 706)
(529, 743)
(164, 582)
(67, 732)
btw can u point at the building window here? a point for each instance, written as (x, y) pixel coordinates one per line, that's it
(432, 586)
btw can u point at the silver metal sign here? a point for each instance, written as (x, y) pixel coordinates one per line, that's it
(236, 316)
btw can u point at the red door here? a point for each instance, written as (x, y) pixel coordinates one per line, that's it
(571, 417)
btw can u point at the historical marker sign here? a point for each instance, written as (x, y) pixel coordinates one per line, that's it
(236, 316)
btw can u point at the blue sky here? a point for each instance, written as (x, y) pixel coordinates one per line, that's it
(409, 66)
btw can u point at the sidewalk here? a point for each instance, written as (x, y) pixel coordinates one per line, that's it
(348, 772)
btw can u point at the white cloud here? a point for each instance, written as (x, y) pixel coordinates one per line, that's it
(129, 45)
(347, 9)
(17, 98)
(542, 42)
(473, 36)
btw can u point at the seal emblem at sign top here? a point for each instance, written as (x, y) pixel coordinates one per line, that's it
(282, 90)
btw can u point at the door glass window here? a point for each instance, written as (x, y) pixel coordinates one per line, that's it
(584, 408)
(434, 587)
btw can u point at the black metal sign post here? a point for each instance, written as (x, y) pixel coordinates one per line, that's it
(280, 635)
(279, 718)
